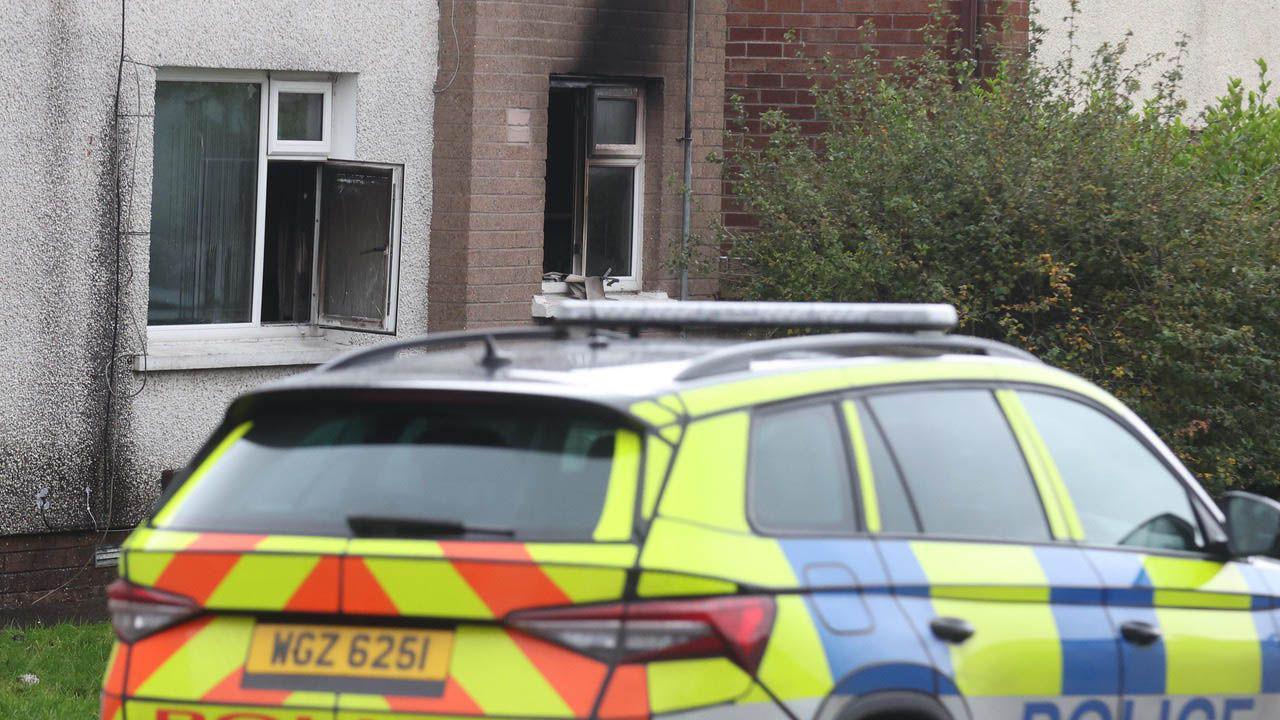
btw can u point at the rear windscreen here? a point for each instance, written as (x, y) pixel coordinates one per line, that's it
(489, 473)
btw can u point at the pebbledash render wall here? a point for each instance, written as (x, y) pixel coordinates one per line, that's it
(491, 133)
(1224, 37)
(58, 165)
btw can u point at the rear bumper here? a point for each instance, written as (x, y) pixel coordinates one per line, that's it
(160, 710)
(114, 709)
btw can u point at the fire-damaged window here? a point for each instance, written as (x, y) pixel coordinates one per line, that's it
(595, 181)
(253, 224)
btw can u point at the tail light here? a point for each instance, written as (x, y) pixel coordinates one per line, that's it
(137, 612)
(733, 627)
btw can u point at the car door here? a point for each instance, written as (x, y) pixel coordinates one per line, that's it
(800, 490)
(1197, 637)
(973, 546)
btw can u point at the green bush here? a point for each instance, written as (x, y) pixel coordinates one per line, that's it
(1062, 208)
(1240, 138)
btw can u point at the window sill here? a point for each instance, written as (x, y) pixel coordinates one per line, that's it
(165, 354)
(622, 286)
(545, 305)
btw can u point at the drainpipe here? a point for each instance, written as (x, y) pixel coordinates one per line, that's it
(974, 7)
(686, 215)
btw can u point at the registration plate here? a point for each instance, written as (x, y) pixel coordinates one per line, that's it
(349, 659)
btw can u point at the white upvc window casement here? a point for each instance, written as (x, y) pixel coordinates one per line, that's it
(617, 122)
(301, 118)
(594, 216)
(256, 231)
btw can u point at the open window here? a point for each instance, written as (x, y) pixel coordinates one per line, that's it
(331, 251)
(359, 223)
(244, 236)
(595, 182)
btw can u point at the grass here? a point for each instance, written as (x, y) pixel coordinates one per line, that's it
(69, 660)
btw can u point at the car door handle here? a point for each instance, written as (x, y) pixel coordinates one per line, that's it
(951, 630)
(1139, 633)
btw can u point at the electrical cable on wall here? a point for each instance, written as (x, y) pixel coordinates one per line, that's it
(107, 464)
(457, 45)
(108, 439)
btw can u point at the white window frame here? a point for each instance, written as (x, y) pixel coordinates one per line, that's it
(618, 92)
(605, 155)
(388, 324)
(630, 282)
(300, 148)
(254, 329)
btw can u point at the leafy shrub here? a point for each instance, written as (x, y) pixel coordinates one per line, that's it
(1240, 138)
(1062, 208)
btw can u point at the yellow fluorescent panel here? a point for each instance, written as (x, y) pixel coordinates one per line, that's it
(1014, 651)
(1211, 652)
(681, 547)
(519, 689)
(656, 464)
(685, 684)
(427, 587)
(982, 564)
(862, 459)
(262, 581)
(620, 497)
(710, 469)
(795, 663)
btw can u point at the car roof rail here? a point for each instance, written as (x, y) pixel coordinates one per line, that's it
(739, 357)
(637, 314)
(492, 358)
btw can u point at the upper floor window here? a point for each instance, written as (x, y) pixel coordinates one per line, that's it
(252, 223)
(1123, 494)
(962, 469)
(594, 182)
(799, 471)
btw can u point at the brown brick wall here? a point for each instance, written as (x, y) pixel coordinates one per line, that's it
(766, 72)
(451, 175)
(52, 577)
(486, 246)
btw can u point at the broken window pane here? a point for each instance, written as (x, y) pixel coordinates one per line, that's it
(355, 237)
(614, 121)
(203, 203)
(300, 116)
(610, 201)
(290, 242)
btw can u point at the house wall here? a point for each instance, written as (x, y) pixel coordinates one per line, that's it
(57, 239)
(1225, 38)
(766, 69)
(490, 177)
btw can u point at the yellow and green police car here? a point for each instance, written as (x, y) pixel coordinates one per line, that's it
(579, 520)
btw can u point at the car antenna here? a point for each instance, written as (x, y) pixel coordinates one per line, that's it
(493, 360)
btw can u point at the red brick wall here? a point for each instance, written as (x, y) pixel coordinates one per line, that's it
(764, 70)
(52, 577)
(486, 244)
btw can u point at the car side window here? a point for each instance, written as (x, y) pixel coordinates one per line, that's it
(799, 472)
(1123, 494)
(961, 464)
(896, 513)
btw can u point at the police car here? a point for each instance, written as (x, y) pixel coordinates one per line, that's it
(580, 521)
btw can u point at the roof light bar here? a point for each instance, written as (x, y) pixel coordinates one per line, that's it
(849, 316)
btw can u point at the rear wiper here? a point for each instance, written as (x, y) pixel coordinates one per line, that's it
(378, 526)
